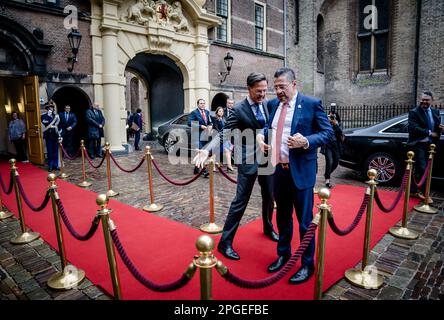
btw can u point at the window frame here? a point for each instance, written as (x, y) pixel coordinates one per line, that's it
(226, 18)
(264, 28)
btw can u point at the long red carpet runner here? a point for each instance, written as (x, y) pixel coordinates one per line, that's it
(162, 249)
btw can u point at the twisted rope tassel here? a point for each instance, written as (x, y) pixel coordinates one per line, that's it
(344, 232)
(68, 156)
(258, 284)
(11, 185)
(398, 196)
(124, 170)
(147, 283)
(226, 175)
(88, 235)
(28, 202)
(177, 183)
(91, 163)
(424, 177)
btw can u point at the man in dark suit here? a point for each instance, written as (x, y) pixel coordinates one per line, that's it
(200, 118)
(247, 116)
(96, 122)
(229, 108)
(137, 119)
(68, 121)
(298, 126)
(424, 129)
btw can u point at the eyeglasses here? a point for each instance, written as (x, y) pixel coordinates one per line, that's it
(281, 87)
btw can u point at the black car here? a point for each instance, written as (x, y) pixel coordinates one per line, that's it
(383, 147)
(171, 134)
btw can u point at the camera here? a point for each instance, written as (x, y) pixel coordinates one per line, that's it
(332, 117)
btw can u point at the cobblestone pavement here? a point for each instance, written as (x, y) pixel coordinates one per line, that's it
(411, 269)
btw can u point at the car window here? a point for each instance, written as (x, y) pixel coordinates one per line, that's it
(182, 120)
(400, 127)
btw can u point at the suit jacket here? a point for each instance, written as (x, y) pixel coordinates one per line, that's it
(72, 121)
(137, 119)
(418, 125)
(310, 120)
(94, 121)
(246, 151)
(195, 115)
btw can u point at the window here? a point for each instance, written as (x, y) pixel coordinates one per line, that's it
(182, 120)
(400, 127)
(259, 20)
(373, 31)
(222, 10)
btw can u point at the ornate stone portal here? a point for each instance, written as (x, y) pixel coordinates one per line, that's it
(120, 29)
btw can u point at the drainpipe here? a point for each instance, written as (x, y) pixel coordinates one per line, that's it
(285, 33)
(416, 63)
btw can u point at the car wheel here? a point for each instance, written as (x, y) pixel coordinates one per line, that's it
(387, 167)
(169, 143)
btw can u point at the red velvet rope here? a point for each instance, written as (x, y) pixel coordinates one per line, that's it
(28, 202)
(258, 284)
(177, 183)
(181, 282)
(226, 175)
(344, 232)
(91, 163)
(398, 196)
(424, 177)
(11, 184)
(88, 235)
(68, 156)
(127, 171)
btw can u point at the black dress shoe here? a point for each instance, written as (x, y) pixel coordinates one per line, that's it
(206, 173)
(196, 170)
(278, 264)
(302, 275)
(228, 252)
(272, 235)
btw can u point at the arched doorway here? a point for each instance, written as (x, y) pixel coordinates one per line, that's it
(164, 85)
(219, 99)
(79, 102)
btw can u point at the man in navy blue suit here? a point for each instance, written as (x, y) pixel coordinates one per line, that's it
(68, 121)
(200, 117)
(298, 126)
(137, 119)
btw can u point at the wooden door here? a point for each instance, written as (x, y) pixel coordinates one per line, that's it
(33, 125)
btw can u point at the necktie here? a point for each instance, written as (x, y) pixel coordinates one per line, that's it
(203, 116)
(259, 116)
(66, 116)
(429, 120)
(279, 130)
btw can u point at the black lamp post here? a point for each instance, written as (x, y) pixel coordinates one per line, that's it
(74, 38)
(228, 60)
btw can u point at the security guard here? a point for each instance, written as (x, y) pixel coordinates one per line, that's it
(50, 121)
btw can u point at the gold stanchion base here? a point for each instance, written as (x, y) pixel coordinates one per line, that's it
(211, 228)
(111, 193)
(63, 176)
(425, 208)
(84, 184)
(5, 214)
(68, 279)
(364, 279)
(26, 237)
(153, 207)
(404, 233)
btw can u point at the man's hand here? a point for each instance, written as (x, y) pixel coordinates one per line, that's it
(261, 142)
(203, 127)
(297, 141)
(200, 158)
(441, 126)
(69, 128)
(434, 135)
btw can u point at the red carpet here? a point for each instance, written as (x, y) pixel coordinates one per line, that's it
(162, 249)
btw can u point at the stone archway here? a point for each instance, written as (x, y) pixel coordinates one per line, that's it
(219, 99)
(122, 29)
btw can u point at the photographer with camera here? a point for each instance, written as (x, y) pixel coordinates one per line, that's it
(333, 149)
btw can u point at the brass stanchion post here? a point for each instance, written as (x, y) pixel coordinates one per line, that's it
(324, 211)
(205, 261)
(368, 276)
(425, 207)
(26, 236)
(70, 276)
(211, 227)
(153, 207)
(402, 232)
(108, 226)
(110, 192)
(62, 174)
(84, 183)
(4, 214)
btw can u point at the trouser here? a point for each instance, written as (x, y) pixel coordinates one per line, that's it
(421, 157)
(19, 145)
(331, 161)
(67, 142)
(94, 147)
(52, 148)
(136, 139)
